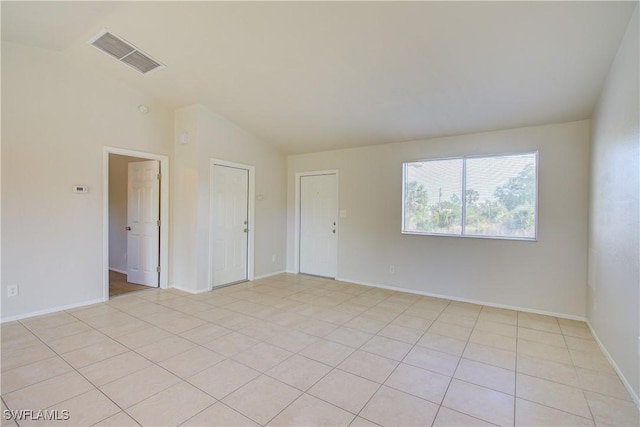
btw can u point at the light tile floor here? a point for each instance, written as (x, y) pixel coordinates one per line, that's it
(296, 350)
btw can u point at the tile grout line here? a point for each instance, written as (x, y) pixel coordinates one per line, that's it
(76, 371)
(404, 357)
(435, 417)
(333, 368)
(337, 324)
(171, 373)
(357, 415)
(579, 382)
(574, 368)
(456, 369)
(113, 339)
(302, 392)
(267, 375)
(123, 410)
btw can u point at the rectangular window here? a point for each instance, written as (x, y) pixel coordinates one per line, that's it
(500, 196)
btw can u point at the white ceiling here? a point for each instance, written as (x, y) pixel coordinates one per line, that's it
(313, 76)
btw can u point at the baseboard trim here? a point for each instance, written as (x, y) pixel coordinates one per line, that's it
(264, 276)
(190, 291)
(50, 310)
(615, 366)
(200, 291)
(117, 270)
(472, 301)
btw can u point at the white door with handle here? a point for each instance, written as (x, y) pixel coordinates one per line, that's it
(318, 224)
(230, 224)
(143, 222)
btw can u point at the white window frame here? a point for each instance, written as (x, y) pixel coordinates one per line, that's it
(463, 215)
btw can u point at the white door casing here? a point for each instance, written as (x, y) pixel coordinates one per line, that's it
(230, 224)
(319, 224)
(143, 226)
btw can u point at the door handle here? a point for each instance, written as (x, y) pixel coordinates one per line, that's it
(128, 228)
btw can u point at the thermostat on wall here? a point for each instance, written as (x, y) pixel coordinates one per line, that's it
(80, 189)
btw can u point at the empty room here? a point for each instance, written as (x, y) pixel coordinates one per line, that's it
(320, 213)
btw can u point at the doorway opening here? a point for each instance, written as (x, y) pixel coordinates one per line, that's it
(118, 284)
(231, 223)
(135, 221)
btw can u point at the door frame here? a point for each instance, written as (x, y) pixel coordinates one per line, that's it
(250, 213)
(164, 213)
(297, 222)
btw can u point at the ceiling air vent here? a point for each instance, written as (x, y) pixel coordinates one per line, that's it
(125, 52)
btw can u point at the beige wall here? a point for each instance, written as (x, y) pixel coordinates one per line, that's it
(57, 116)
(52, 241)
(118, 182)
(213, 137)
(548, 275)
(614, 229)
(184, 200)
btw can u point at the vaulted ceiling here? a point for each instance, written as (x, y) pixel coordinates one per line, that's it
(313, 76)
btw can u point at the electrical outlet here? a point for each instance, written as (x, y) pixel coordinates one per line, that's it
(12, 290)
(392, 269)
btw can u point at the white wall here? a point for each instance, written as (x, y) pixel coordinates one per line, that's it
(184, 200)
(548, 275)
(211, 136)
(118, 183)
(614, 228)
(56, 118)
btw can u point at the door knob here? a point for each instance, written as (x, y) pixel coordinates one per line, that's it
(333, 231)
(246, 229)
(128, 228)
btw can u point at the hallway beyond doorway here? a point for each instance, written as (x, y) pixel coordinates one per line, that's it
(118, 284)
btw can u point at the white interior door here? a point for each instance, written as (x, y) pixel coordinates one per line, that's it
(318, 225)
(143, 226)
(230, 224)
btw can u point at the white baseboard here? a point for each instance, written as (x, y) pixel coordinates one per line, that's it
(50, 310)
(264, 276)
(472, 301)
(200, 291)
(190, 291)
(117, 270)
(615, 366)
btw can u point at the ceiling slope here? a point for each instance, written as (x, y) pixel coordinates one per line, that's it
(313, 76)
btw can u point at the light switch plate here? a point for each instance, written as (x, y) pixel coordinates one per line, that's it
(80, 189)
